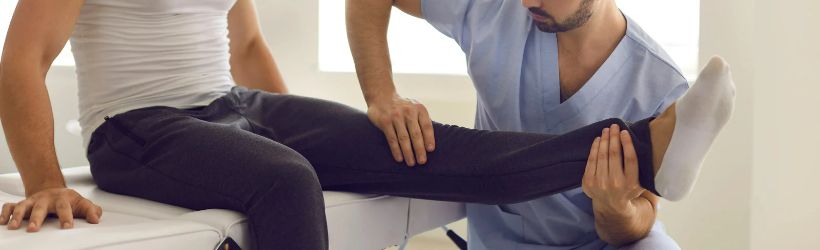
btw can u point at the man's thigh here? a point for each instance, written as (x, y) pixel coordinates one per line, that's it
(178, 159)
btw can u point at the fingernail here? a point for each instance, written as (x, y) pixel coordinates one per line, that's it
(66, 225)
(624, 132)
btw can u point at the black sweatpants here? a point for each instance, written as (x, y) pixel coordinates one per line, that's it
(269, 156)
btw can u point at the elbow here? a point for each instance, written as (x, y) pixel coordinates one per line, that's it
(13, 73)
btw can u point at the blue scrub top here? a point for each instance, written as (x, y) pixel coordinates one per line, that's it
(514, 67)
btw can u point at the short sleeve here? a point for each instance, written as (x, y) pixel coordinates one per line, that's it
(672, 97)
(448, 16)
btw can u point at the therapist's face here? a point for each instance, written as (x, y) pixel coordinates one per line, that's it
(559, 15)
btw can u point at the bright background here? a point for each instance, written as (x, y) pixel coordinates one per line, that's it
(757, 188)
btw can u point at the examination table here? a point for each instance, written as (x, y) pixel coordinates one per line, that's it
(355, 221)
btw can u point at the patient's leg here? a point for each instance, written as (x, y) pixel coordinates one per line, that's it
(683, 134)
(350, 154)
(170, 157)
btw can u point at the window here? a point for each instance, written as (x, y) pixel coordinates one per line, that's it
(672, 23)
(405, 35)
(6, 11)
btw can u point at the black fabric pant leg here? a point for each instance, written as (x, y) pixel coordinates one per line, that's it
(208, 159)
(468, 165)
(236, 154)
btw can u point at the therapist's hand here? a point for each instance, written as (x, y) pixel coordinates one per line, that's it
(64, 202)
(407, 127)
(611, 178)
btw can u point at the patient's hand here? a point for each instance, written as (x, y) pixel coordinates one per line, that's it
(64, 202)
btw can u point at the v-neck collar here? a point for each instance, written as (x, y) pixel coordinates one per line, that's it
(557, 112)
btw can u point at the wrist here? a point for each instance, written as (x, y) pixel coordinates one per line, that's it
(32, 187)
(614, 210)
(622, 226)
(381, 97)
(34, 190)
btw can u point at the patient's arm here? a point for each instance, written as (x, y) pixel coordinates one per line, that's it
(252, 65)
(624, 211)
(38, 31)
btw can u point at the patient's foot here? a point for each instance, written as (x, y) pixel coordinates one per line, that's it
(682, 135)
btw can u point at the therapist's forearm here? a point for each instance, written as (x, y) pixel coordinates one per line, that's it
(620, 227)
(367, 22)
(26, 114)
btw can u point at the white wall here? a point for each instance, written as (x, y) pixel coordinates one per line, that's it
(758, 188)
(785, 205)
(716, 215)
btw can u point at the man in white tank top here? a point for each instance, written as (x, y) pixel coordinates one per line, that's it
(163, 120)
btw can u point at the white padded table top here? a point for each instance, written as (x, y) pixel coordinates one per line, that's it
(355, 221)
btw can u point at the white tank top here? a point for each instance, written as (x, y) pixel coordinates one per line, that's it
(132, 54)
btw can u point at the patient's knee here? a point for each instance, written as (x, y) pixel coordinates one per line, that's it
(294, 175)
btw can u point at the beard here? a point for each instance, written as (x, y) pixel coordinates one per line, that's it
(577, 19)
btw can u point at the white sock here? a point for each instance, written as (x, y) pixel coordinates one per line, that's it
(700, 115)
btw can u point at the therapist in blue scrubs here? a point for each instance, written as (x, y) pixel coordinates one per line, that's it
(544, 66)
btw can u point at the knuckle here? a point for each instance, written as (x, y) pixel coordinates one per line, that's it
(407, 109)
(427, 125)
(39, 206)
(62, 205)
(19, 211)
